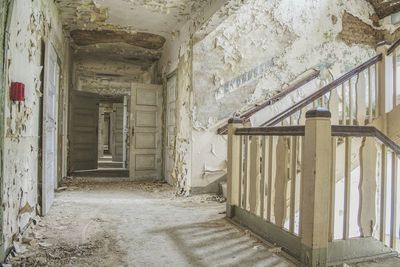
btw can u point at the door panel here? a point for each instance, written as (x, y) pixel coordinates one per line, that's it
(146, 132)
(118, 134)
(49, 128)
(83, 131)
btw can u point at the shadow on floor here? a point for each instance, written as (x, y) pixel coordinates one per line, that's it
(219, 243)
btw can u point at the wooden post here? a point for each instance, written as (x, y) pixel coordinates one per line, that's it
(233, 177)
(315, 214)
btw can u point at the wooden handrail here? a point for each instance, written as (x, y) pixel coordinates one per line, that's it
(326, 89)
(393, 47)
(293, 87)
(272, 131)
(365, 131)
(337, 131)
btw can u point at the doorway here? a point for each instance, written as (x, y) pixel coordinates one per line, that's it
(98, 142)
(111, 140)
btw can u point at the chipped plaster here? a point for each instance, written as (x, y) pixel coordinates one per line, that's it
(31, 22)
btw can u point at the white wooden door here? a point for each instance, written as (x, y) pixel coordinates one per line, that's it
(83, 131)
(49, 127)
(171, 128)
(118, 132)
(146, 132)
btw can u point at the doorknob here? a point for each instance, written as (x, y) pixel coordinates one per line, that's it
(133, 131)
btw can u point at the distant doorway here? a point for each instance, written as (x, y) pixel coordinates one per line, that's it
(111, 137)
(98, 134)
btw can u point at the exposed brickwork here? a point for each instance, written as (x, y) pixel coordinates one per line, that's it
(355, 31)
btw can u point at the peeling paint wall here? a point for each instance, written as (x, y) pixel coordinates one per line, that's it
(178, 56)
(31, 23)
(261, 47)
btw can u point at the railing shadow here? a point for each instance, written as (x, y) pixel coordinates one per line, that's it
(219, 243)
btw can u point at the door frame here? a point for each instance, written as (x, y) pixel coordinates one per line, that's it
(173, 74)
(48, 47)
(5, 20)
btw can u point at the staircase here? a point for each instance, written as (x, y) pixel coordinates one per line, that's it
(320, 179)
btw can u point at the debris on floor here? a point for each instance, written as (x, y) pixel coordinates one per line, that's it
(136, 224)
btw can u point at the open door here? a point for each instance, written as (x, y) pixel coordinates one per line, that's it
(49, 127)
(118, 132)
(145, 161)
(83, 131)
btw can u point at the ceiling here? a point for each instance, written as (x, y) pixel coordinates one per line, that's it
(159, 17)
(384, 8)
(128, 30)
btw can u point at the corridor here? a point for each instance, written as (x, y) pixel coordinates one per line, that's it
(139, 224)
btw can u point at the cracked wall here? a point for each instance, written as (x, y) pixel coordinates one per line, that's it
(261, 47)
(30, 24)
(178, 57)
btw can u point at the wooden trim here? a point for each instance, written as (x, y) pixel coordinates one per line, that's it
(365, 131)
(291, 88)
(272, 131)
(324, 90)
(337, 131)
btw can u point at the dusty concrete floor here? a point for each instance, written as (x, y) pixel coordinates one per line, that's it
(131, 224)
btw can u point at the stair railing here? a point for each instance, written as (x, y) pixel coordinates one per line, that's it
(283, 185)
(285, 92)
(353, 98)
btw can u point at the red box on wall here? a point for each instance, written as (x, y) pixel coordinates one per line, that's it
(17, 91)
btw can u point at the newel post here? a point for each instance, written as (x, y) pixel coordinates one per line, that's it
(316, 188)
(233, 176)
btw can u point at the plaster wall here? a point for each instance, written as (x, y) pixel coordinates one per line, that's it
(258, 49)
(178, 56)
(31, 23)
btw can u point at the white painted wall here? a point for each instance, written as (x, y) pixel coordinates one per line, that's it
(31, 22)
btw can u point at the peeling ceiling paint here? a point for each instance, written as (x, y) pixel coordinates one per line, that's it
(140, 39)
(384, 8)
(160, 17)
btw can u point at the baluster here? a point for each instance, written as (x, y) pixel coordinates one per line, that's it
(333, 190)
(293, 179)
(246, 172)
(394, 54)
(383, 194)
(299, 184)
(350, 103)
(264, 172)
(370, 117)
(241, 176)
(344, 99)
(302, 117)
(254, 182)
(270, 182)
(347, 180)
(377, 96)
(368, 186)
(393, 223)
(360, 99)
(281, 181)
(334, 106)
